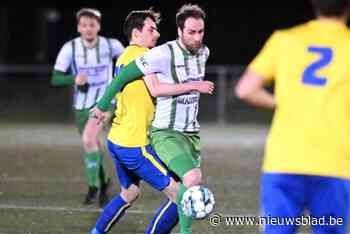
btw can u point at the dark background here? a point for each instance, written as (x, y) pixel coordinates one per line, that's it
(34, 33)
(234, 32)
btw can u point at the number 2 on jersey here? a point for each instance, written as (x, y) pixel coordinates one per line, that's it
(309, 74)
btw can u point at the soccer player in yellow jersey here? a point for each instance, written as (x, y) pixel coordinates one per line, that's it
(307, 155)
(128, 140)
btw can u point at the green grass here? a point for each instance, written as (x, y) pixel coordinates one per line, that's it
(42, 183)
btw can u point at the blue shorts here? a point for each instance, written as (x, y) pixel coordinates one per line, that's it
(139, 163)
(290, 195)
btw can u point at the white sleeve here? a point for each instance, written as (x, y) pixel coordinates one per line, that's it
(64, 58)
(207, 52)
(117, 47)
(156, 60)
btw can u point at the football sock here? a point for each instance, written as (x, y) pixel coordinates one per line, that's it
(102, 172)
(164, 220)
(111, 214)
(185, 221)
(92, 168)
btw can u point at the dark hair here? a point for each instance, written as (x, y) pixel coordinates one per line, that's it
(186, 11)
(89, 12)
(331, 7)
(136, 19)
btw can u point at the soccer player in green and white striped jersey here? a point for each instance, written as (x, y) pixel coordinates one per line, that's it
(175, 128)
(88, 60)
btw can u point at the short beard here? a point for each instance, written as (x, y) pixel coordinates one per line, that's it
(193, 50)
(189, 48)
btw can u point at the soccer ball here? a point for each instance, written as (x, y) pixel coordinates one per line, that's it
(197, 202)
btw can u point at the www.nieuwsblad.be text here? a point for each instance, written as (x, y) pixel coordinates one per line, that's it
(238, 220)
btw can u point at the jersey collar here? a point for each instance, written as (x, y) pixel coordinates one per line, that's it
(93, 46)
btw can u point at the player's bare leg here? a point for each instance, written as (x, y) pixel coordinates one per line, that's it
(192, 178)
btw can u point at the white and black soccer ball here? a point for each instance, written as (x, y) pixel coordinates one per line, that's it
(197, 202)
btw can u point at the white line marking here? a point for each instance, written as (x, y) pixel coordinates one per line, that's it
(64, 209)
(93, 210)
(26, 179)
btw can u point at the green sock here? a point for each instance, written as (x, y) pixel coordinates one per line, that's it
(185, 221)
(103, 172)
(92, 168)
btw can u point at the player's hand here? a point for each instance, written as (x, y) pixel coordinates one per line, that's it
(81, 79)
(204, 86)
(82, 82)
(98, 115)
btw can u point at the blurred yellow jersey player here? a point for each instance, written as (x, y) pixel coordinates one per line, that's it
(135, 107)
(307, 155)
(311, 128)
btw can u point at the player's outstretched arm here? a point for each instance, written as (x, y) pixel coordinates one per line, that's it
(128, 74)
(250, 88)
(157, 88)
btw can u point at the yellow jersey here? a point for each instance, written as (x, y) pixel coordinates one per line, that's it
(135, 108)
(310, 132)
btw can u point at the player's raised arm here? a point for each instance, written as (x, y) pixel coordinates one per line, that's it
(260, 71)
(151, 62)
(157, 88)
(128, 74)
(250, 88)
(131, 72)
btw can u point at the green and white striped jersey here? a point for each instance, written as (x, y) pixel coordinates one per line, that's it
(96, 63)
(173, 64)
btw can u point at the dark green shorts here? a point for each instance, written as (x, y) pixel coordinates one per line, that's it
(81, 117)
(179, 151)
